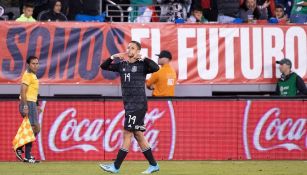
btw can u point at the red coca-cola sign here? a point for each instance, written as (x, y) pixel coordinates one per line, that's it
(177, 129)
(275, 130)
(95, 133)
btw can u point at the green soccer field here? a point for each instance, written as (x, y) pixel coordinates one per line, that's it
(167, 168)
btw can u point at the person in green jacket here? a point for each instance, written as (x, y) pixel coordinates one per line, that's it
(289, 84)
(197, 16)
(27, 14)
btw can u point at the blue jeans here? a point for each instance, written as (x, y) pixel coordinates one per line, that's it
(33, 114)
(298, 18)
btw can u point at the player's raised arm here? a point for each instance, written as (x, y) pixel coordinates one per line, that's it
(108, 65)
(151, 66)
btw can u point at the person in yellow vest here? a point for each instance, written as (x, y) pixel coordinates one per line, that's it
(163, 81)
(29, 105)
(27, 14)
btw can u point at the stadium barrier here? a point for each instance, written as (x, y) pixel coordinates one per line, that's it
(177, 129)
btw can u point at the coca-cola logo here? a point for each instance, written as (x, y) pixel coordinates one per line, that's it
(70, 132)
(273, 132)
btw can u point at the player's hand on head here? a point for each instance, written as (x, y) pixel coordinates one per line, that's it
(119, 55)
(140, 57)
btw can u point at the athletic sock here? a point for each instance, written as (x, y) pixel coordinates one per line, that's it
(28, 150)
(148, 155)
(121, 155)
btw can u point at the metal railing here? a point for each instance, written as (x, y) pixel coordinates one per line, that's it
(119, 10)
(123, 11)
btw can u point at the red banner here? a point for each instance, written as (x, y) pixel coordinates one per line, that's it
(178, 130)
(70, 53)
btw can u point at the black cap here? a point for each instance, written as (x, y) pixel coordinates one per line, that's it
(285, 61)
(165, 54)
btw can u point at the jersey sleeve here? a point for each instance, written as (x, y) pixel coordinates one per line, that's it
(108, 65)
(153, 79)
(26, 79)
(151, 66)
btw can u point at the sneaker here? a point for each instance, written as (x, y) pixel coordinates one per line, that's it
(18, 154)
(151, 169)
(31, 160)
(109, 168)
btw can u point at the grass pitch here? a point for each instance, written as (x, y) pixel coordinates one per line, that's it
(167, 168)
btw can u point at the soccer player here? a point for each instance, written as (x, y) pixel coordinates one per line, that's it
(28, 105)
(132, 74)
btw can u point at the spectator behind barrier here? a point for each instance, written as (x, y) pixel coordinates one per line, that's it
(289, 84)
(287, 4)
(27, 14)
(250, 11)
(39, 6)
(228, 10)
(197, 16)
(299, 12)
(269, 5)
(54, 13)
(65, 7)
(174, 10)
(141, 11)
(280, 15)
(209, 8)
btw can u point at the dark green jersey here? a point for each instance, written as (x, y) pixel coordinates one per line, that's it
(287, 87)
